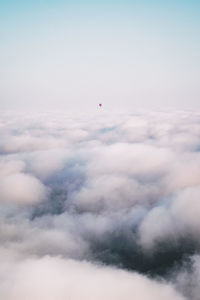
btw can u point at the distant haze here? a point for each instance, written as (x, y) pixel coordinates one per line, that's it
(71, 55)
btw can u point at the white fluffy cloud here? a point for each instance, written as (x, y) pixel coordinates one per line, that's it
(80, 193)
(179, 217)
(56, 279)
(22, 189)
(8, 167)
(46, 163)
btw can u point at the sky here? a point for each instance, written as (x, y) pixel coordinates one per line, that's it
(101, 205)
(71, 55)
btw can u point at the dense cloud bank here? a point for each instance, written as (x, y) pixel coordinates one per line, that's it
(100, 206)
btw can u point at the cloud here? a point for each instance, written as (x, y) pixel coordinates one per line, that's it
(22, 189)
(46, 163)
(108, 202)
(8, 167)
(55, 278)
(190, 272)
(173, 220)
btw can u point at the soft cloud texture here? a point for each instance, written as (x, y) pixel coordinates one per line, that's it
(55, 278)
(21, 188)
(108, 202)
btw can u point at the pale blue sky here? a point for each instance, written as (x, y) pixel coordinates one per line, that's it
(74, 54)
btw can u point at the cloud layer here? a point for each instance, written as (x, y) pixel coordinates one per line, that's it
(100, 206)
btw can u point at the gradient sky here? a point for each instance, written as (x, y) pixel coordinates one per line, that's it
(75, 54)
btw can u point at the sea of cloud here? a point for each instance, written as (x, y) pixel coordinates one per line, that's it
(100, 206)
